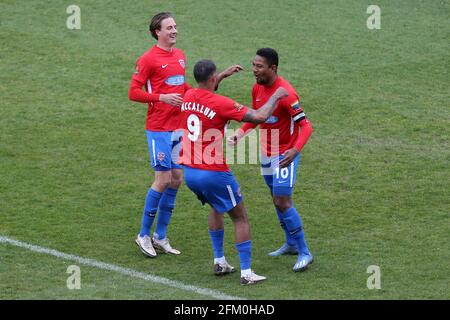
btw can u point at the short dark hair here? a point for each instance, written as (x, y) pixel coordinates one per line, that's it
(269, 54)
(203, 70)
(155, 23)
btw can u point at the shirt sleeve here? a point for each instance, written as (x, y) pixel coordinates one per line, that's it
(293, 106)
(304, 134)
(138, 80)
(135, 93)
(232, 110)
(142, 71)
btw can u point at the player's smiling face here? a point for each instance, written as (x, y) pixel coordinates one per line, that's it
(167, 35)
(264, 74)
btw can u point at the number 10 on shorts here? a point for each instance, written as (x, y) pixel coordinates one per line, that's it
(284, 173)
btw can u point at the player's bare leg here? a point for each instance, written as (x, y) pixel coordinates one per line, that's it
(176, 178)
(240, 220)
(162, 180)
(215, 220)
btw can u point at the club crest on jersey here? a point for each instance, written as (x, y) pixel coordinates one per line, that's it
(161, 156)
(296, 105)
(181, 61)
(238, 106)
(272, 119)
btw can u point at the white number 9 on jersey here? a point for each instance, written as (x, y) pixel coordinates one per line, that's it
(193, 124)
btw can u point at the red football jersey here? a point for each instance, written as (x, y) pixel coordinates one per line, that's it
(204, 116)
(279, 132)
(162, 72)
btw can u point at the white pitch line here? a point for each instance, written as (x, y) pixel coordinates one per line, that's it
(125, 271)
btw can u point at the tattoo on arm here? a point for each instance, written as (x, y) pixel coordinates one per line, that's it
(263, 113)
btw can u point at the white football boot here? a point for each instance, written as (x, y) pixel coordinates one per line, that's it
(223, 268)
(252, 278)
(164, 246)
(145, 244)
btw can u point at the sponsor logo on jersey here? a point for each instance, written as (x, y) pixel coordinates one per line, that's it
(296, 105)
(238, 106)
(181, 61)
(272, 119)
(175, 80)
(164, 65)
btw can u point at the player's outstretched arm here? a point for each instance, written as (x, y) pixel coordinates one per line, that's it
(263, 113)
(228, 72)
(240, 133)
(253, 117)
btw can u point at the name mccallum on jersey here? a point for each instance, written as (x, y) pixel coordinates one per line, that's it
(197, 107)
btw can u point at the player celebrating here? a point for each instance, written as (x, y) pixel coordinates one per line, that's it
(161, 70)
(279, 159)
(204, 116)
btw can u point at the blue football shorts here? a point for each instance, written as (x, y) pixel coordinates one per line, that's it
(280, 181)
(164, 148)
(217, 188)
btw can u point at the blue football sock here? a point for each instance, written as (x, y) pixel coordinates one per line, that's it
(150, 208)
(295, 227)
(289, 240)
(166, 205)
(245, 254)
(217, 242)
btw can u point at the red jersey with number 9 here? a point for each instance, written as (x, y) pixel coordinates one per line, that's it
(204, 117)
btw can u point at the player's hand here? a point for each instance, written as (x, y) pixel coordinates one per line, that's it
(289, 156)
(232, 140)
(173, 99)
(281, 93)
(231, 70)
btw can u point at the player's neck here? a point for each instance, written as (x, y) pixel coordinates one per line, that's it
(165, 47)
(206, 86)
(272, 81)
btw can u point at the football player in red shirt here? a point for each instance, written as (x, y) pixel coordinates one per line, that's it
(161, 70)
(282, 138)
(204, 116)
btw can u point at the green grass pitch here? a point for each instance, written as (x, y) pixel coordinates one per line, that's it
(373, 183)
